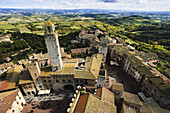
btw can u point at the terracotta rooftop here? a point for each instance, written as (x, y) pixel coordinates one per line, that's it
(4, 85)
(108, 96)
(99, 92)
(12, 78)
(96, 105)
(79, 50)
(80, 108)
(7, 99)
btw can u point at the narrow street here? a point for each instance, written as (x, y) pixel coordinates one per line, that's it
(121, 77)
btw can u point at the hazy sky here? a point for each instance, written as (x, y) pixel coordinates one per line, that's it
(137, 5)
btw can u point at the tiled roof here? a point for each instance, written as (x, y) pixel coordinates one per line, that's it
(94, 104)
(95, 64)
(14, 73)
(12, 78)
(131, 99)
(108, 96)
(4, 85)
(99, 92)
(83, 74)
(82, 103)
(88, 63)
(145, 71)
(7, 99)
(147, 56)
(108, 108)
(25, 77)
(117, 86)
(135, 59)
(79, 50)
(68, 68)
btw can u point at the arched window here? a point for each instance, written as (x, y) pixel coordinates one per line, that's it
(69, 80)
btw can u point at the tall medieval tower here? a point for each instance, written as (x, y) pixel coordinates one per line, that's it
(53, 47)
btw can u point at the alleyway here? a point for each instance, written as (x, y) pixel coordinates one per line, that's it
(122, 77)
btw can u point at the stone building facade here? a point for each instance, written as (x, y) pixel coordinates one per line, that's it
(151, 84)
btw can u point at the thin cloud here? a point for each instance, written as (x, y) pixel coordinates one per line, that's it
(38, 0)
(135, 5)
(108, 1)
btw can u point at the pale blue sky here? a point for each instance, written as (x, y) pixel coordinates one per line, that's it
(136, 5)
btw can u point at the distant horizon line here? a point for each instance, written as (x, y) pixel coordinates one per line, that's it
(83, 9)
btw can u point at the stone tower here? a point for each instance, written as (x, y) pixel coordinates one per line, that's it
(53, 47)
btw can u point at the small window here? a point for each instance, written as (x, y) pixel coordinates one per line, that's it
(19, 97)
(33, 92)
(17, 102)
(22, 104)
(69, 80)
(49, 80)
(35, 75)
(28, 93)
(40, 86)
(30, 86)
(63, 80)
(86, 83)
(57, 80)
(44, 80)
(13, 111)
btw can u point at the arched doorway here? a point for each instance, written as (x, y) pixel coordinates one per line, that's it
(68, 87)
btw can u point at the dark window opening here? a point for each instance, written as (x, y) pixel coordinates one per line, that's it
(86, 83)
(68, 87)
(33, 92)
